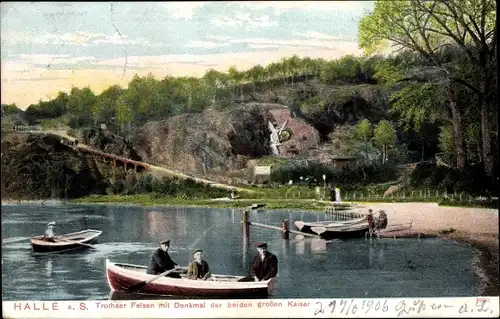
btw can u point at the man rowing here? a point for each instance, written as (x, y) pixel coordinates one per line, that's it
(161, 261)
(198, 269)
(264, 265)
(49, 232)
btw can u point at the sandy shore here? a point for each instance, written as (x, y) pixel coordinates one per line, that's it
(477, 227)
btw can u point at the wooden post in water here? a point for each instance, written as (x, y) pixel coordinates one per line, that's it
(285, 229)
(246, 223)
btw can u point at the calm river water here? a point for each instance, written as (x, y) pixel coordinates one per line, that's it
(307, 268)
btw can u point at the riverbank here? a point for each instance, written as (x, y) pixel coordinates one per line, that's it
(476, 227)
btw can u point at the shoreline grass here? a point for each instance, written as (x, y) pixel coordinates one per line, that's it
(271, 203)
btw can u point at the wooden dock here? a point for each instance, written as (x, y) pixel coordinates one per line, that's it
(296, 232)
(284, 229)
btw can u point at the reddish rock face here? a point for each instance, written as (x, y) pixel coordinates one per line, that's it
(304, 136)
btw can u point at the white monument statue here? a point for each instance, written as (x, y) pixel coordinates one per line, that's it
(275, 136)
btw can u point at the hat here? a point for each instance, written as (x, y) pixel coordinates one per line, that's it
(51, 224)
(165, 242)
(261, 245)
(197, 250)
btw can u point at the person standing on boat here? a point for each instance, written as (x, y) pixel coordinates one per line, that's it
(198, 269)
(161, 261)
(49, 232)
(264, 265)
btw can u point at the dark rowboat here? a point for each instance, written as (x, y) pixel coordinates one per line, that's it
(305, 227)
(66, 242)
(123, 276)
(348, 231)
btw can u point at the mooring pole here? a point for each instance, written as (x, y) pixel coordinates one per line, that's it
(285, 229)
(246, 223)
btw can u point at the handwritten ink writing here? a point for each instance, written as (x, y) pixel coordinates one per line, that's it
(403, 309)
(351, 306)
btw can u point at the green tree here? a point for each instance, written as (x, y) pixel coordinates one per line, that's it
(426, 27)
(384, 136)
(80, 104)
(364, 133)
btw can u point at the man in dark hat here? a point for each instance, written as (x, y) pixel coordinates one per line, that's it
(161, 261)
(198, 269)
(264, 265)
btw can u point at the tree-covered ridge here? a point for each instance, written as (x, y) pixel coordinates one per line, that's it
(147, 98)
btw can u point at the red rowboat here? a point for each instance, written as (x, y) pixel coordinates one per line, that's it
(122, 276)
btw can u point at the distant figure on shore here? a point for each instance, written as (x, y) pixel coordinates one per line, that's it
(381, 221)
(161, 261)
(371, 223)
(264, 265)
(198, 269)
(332, 194)
(337, 195)
(49, 232)
(76, 144)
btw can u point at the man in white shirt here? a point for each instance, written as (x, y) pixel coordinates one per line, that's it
(49, 232)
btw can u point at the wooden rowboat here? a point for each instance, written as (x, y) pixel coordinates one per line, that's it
(66, 242)
(346, 231)
(121, 277)
(306, 226)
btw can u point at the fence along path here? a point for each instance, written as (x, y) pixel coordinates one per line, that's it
(156, 171)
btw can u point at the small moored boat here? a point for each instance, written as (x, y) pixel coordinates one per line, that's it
(346, 231)
(306, 226)
(66, 242)
(121, 277)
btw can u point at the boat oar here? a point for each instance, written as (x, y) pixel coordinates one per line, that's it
(83, 244)
(14, 240)
(144, 283)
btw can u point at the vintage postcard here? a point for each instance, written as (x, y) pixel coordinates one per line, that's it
(249, 159)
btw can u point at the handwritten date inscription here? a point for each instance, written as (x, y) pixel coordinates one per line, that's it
(400, 307)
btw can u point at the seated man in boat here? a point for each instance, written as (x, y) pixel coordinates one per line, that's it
(161, 261)
(49, 232)
(371, 222)
(264, 265)
(198, 269)
(381, 220)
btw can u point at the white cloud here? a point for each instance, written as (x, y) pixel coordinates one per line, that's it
(52, 59)
(80, 38)
(205, 44)
(219, 38)
(183, 10)
(282, 6)
(244, 19)
(317, 35)
(308, 43)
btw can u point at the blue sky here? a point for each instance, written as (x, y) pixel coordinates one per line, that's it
(47, 47)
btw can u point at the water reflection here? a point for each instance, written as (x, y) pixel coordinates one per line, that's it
(245, 251)
(48, 268)
(300, 247)
(318, 245)
(119, 295)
